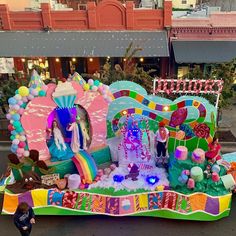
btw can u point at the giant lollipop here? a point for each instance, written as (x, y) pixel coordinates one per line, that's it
(178, 117)
(201, 131)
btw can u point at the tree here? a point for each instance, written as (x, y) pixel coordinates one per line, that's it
(130, 71)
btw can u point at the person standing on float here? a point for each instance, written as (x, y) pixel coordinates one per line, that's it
(161, 139)
(77, 136)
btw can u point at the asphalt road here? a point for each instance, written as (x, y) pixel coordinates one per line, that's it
(120, 226)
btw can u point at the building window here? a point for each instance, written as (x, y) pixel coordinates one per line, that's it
(184, 1)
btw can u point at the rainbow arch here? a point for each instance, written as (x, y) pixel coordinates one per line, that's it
(85, 165)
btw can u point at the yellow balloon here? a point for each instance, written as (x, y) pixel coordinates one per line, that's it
(12, 112)
(86, 87)
(17, 136)
(23, 91)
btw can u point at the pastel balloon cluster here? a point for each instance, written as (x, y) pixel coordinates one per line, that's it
(17, 105)
(96, 85)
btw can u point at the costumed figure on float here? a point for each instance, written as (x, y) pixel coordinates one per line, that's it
(58, 149)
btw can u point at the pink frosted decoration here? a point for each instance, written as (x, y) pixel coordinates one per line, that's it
(191, 183)
(8, 116)
(20, 102)
(100, 89)
(215, 177)
(26, 153)
(22, 144)
(198, 156)
(181, 153)
(90, 82)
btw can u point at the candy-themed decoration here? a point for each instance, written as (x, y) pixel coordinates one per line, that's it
(196, 174)
(198, 156)
(181, 153)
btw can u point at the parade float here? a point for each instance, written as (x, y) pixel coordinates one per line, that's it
(84, 148)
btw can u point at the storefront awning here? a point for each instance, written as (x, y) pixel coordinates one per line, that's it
(82, 43)
(204, 51)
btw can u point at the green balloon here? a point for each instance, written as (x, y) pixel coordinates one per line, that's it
(12, 137)
(23, 105)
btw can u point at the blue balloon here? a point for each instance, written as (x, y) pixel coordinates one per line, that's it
(14, 147)
(13, 132)
(16, 117)
(12, 101)
(13, 150)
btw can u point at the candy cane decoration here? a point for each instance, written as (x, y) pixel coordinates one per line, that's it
(81, 196)
(153, 203)
(137, 203)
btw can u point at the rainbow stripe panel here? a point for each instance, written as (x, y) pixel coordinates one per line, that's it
(85, 166)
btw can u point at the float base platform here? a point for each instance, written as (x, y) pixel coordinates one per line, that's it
(165, 204)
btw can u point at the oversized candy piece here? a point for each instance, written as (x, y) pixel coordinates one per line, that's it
(181, 153)
(191, 183)
(74, 181)
(183, 179)
(215, 177)
(196, 173)
(198, 156)
(178, 117)
(228, 181)
(215, 168)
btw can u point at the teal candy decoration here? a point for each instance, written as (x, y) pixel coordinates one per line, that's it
(17, 92)
(42, 93)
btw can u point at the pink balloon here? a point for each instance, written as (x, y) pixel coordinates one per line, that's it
(30, 97)
(16, 107)
(90, 82)
(8, 116)
(25, 99)
(16, 141)
(22, 144)
(20, 103)
(20, 150)
(19, 154)
(26, 153)
(21, 111)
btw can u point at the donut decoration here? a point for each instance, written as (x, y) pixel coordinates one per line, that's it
(178, 117)
(180, 135)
